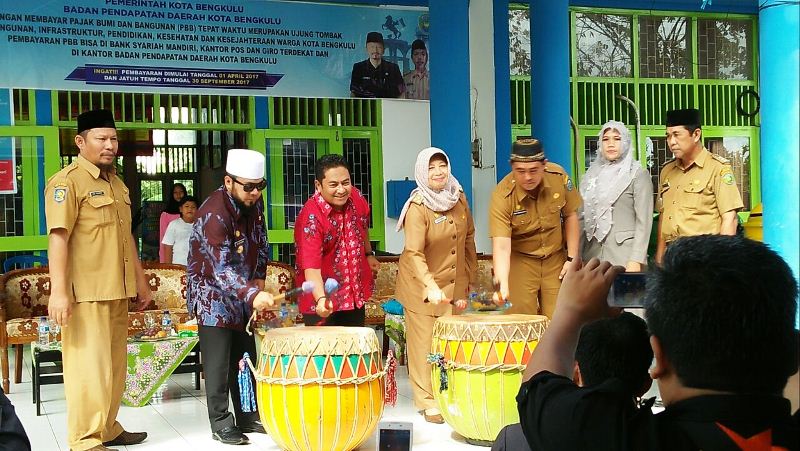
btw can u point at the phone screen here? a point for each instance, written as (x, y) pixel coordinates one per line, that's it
(394, 440)
(628, 290)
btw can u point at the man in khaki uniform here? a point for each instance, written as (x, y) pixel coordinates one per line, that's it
(697, 190)
(531, 214)
(94, 270)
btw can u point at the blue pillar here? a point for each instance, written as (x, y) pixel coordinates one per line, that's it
(450, 109)
(779, 65)
(550, 93)
(502, 89)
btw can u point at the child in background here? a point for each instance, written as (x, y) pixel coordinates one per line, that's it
(176, 238)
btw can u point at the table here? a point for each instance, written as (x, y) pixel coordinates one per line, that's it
(150, 364)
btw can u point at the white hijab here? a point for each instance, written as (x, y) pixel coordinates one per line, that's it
(605, 181)
(438, 201)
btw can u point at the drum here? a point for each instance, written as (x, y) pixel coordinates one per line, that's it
(320, 388)
(484, 357)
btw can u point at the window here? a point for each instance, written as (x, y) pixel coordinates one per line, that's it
(604, 45)
(664, 47)
(519, 41)
(724, 49)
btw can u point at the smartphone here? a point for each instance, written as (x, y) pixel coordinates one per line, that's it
(628, 290)
(395, 436)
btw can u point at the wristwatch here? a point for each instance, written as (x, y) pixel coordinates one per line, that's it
(569, 259)
(368, 253)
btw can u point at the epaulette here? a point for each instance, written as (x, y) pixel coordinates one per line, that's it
(554, 168)
(721, 159)
(667, 162)
(417, 199)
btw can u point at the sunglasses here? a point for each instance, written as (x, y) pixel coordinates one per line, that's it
(248, 187)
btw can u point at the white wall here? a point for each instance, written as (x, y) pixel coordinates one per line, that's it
(406, 130)
(481, 60)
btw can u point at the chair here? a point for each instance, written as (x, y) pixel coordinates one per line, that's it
(24, 294)
(23, 261)
(47, 369)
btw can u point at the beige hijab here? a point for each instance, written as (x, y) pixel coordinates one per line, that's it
(438, 201)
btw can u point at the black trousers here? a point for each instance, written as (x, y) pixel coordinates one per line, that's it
(351, 318)
(222, 349)
(511, 438)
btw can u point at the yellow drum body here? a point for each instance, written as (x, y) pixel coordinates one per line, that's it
(320, 388)
(485, 356)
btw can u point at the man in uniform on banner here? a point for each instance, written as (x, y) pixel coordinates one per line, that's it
(226, 270)
(94, 271)
(697, 189)
(418, 81)
(532, 214)
(376, 77)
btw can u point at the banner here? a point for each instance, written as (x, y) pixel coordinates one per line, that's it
(240, 47)
(8, 163)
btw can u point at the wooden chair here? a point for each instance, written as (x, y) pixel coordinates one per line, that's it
(25, 293)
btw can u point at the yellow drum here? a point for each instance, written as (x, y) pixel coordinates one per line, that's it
(484, 357)
(320, 388)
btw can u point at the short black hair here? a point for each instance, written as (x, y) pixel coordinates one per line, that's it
(329, 161)
(615, 347)
(723, 309)
(188, 198)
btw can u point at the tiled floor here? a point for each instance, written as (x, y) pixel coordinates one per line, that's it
(179, 421)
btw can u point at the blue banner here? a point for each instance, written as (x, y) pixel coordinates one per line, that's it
(255, 47)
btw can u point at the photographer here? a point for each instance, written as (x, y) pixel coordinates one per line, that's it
(721, 314)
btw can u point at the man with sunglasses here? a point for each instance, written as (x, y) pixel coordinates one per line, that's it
(226, 269)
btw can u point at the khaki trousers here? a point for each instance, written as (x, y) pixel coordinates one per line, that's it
(534, 283)
(94, 347)
(419, 338)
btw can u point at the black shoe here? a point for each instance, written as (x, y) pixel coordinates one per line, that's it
(127, 438)
(230, 435)
(255, 427)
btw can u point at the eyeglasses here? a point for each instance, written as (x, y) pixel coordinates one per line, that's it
(248, 187)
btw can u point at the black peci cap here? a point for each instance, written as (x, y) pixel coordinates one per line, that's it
(690, 117)
(95, 119)
(374, 36)
(527, 149)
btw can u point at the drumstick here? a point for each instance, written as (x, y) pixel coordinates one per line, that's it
(294, 293)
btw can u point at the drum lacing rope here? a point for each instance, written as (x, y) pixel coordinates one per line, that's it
(486, 368)
(390, 394)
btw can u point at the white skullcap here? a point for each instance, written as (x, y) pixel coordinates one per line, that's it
(245, 163)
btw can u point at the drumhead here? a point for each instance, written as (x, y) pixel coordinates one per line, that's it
(511, 327)
(320, 340)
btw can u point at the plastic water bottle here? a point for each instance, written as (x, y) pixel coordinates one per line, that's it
(44, 331)
(166, 322)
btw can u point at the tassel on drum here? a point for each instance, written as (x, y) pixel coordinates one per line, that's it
(246, 394)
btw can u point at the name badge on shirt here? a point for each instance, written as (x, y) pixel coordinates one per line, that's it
(440, 219)
(239, 245)
(97, 193)
(519, 212)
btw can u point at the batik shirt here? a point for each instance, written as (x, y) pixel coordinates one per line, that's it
(333, 242)
(227, 251)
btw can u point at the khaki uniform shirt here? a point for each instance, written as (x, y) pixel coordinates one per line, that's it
(439, 253)
(417, 85)
(96, 214)
(692, 200)
(534, 221)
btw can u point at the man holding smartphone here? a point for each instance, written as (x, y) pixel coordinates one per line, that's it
(724, 344)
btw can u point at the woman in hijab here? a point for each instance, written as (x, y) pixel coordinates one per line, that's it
(170, 213)
(617, 202)
(437, 266)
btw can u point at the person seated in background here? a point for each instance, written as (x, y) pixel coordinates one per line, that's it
(176, 238)
(611, 349)
(170, 213)
(721, 312)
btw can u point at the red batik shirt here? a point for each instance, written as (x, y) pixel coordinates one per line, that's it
(333, 242)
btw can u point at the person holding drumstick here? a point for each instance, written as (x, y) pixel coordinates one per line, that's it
(225, 281)
(331, 236)
(438, 264)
